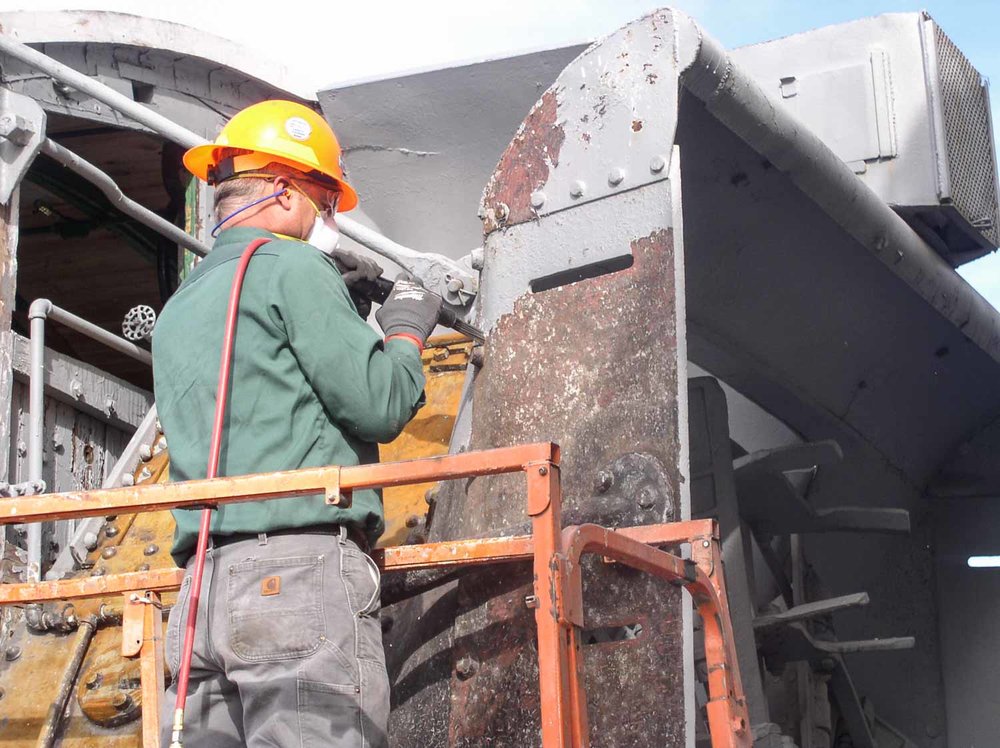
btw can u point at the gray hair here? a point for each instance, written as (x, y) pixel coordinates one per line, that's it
(239, 192)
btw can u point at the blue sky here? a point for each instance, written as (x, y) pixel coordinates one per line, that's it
(342, 41)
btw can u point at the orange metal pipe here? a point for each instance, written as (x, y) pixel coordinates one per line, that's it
(397, 558)
(217, 491)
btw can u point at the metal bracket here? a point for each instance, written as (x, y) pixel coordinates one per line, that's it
(22, 132)
(454, 281)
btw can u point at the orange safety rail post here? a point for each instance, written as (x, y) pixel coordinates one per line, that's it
(142, 637)
(702, 576)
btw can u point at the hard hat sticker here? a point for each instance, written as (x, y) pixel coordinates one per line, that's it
(298, 128)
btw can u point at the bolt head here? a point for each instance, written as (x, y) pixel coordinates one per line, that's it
(646, 498)
(465, 668)
(477, 258)
(577, 190)
(616, 177)
(537, 199)
(657, 164)
(543, 470)
(605, 480)
(455, 285)
(16, 129)
(121, 701)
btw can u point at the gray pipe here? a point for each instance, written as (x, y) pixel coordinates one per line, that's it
(97, 90)
(144, 116)
(40, 310)
(126, 205)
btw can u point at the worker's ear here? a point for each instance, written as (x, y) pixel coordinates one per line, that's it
(284, 196)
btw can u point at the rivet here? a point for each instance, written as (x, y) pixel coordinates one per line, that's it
(146, 474)
(145, 452)
(109, 552)
(616, 177)
(657, 164)
(455, 285)
(412, 520)
(143, 567)
(431, 495)
(537, 199)
(90, 541)
(577, 190)
(128, 479)
(705, 544)
(97, 572)
(150, 549)
(13, 652)
(94, 681)
(110, 531)
(543, 470)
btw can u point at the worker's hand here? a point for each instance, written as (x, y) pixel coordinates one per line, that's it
(355, 267)
(410, 311)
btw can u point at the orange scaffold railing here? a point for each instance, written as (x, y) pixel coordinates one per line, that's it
(555, 551)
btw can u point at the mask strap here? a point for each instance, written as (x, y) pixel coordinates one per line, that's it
(235, 213)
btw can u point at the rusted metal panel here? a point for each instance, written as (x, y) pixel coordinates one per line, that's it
(524, 166)
(604, 390)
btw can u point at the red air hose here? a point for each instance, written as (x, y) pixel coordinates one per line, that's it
(215, 449)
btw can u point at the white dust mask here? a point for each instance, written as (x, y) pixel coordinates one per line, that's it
(324, 235)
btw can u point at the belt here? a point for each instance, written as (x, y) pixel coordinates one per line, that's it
(353, 533)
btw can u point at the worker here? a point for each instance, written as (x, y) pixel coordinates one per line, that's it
(288, 647)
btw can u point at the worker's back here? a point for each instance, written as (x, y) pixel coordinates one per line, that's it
(294, 311)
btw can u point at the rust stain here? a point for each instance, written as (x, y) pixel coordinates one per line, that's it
(524, 166)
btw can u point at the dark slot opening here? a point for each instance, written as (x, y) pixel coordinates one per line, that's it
(574, 275)
(142, 92)
(610, 634)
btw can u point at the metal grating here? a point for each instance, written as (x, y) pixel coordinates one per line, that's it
(971, 156)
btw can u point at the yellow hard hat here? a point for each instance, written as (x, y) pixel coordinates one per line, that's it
(273, 132)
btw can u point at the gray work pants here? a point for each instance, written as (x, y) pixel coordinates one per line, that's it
(288, 647)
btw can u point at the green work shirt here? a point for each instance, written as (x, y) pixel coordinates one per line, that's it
(312, 384)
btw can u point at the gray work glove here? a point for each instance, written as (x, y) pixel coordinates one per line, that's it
(410, 310)
(354, 267)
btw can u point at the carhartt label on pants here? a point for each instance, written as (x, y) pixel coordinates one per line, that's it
(270, 586)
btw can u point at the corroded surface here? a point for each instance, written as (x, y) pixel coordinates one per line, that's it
(524, 166)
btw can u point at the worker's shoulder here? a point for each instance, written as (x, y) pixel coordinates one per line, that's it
(297, 257)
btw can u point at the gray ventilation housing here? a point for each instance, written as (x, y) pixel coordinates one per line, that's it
(898, 102)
